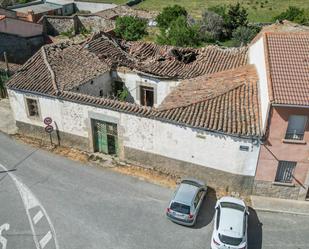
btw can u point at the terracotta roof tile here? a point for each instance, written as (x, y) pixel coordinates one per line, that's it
(167, 61)
(288, 61)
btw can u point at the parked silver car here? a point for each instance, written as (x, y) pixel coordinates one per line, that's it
(186, 202)
(230, 226)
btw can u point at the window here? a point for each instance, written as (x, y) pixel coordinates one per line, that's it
(147, 96)
(33, 110)
(296, 127)
(197, 198)
(285, 171)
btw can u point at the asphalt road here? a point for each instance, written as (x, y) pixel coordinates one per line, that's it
(47, 201)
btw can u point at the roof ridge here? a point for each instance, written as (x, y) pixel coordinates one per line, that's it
(52, 74)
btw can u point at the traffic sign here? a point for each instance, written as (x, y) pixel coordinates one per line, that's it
(49, 129)
(48, 120)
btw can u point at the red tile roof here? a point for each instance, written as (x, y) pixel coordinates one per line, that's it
(225, 101)
(218, 101)
(167, 61)
(288, 62)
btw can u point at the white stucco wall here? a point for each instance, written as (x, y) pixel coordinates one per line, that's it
(133, 81)
(93, 87)
(257, 57)
(182, 143)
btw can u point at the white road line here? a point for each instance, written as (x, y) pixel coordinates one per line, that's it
(30, 201)
(45, 239)
(37, 217)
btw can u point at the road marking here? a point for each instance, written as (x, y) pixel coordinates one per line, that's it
(30, 201)
(45, 239)
(3, 240)
(37, 217)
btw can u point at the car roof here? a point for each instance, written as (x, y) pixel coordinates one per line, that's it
(185, 193)
(231, 222)
(232, 200)
(193, 181)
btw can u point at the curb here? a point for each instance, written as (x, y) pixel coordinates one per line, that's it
(280, 211)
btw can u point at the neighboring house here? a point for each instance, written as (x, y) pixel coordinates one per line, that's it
(19, 39)
(189, 112)
(33, 11)
(282, 52)
(7, 12)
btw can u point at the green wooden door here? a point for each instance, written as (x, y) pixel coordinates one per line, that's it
(105, 137)
(100, 137)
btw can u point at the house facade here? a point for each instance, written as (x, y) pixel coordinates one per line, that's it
(283, 165)
(183, 111)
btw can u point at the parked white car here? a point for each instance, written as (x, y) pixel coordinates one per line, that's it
(231, 223)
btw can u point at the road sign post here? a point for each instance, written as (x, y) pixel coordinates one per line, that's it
(49, 128)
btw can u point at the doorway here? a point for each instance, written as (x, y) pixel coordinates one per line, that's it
(307, 196)
(147, 96)
(105, 137)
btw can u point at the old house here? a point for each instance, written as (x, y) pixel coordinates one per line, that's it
(186, 111)
(20, 39)
(283, 166)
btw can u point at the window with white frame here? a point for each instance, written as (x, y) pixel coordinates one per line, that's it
(296, 127)
(33, 109)
(285, 171)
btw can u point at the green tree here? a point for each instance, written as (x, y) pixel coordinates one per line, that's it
(169, 14)
(244, 34)
(212, 26)
(293, 14)
(131, 28)
(180, 33)
(236, 16)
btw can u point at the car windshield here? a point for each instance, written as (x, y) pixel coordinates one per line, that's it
(233, 206)
(230, 240)
(180, 208)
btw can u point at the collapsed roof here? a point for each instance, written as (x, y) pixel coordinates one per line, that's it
(218, 90)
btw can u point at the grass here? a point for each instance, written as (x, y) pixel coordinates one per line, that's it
(259, 10)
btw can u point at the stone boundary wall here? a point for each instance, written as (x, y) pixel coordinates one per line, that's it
(268, 189)
(56, 25)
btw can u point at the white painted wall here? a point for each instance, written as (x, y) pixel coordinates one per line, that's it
(93, 87)
(133, 81)
(257, 57)
(182, 143)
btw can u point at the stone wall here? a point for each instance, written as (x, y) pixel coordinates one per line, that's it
(19, 49)
(215, 178)
(56, 25)
(266, 188)
(96, 23)
(58, 137)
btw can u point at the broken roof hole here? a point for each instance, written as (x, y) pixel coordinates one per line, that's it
(186, 57)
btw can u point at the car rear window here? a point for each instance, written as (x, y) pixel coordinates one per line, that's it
(233, 206)
(180, 208)
(230, 240)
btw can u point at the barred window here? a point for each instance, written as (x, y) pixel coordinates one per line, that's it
(33, 109)
(296, 127)
(285, 171)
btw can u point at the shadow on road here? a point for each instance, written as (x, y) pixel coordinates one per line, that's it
(207, 210)
(255, 231)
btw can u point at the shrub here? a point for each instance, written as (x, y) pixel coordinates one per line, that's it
(237, 16)
(244, 34)
(131, 28)
(180, 33)
(293, 14)
(212, 25)
(169, 14)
